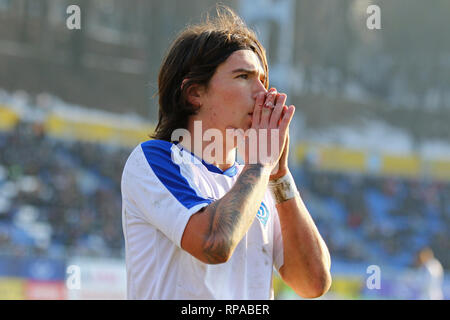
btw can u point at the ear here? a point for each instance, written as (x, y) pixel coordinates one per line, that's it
(193, 93)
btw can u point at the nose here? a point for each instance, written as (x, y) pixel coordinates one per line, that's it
(259, 87)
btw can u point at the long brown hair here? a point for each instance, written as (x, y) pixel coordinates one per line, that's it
(194, 57)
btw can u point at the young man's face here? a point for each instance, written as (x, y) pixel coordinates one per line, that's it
(230, 98)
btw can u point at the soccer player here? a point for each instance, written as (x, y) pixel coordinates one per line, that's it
(210, 228)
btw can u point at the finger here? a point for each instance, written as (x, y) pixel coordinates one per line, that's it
(260, 98)
(276, 113)
(285, 147)
(285, 121)
(282, 162)
(267, 109)
(282, 114)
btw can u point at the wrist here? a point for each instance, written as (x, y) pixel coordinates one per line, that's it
(265, 170)
(283, 188)
(278, 173)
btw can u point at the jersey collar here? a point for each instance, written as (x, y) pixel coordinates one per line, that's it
(230, 172)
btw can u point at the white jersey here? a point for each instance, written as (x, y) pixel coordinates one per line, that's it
(159, 195)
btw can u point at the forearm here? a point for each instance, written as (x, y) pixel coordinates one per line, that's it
(231, 216)
(306, 257)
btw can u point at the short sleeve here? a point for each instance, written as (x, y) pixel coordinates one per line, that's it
(278, 258)
(158, 190)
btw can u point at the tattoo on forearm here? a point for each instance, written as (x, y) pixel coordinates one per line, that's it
(232, 215)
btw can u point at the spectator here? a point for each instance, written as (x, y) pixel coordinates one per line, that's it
(76, 190)
(431, 275)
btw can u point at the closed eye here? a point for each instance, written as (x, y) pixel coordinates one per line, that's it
(243, 76)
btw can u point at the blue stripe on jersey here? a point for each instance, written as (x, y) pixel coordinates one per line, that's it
(158, 155)
(230, 172)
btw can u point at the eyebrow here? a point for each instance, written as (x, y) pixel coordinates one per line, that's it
(248, 71)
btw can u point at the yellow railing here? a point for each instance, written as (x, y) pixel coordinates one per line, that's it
(8, 118)
(61, 127)
(343, 159)
(324, 157)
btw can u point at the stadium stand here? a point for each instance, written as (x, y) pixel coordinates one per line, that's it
(67, 191)
(60, 193)
(376, 219)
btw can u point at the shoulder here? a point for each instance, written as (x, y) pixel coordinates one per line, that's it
(146, 158)
(155, 170)
(161, 160)
(154, 150)
(146, 152)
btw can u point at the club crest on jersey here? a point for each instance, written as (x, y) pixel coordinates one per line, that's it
(263, 214)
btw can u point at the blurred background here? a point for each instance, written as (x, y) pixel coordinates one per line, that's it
(370, 147)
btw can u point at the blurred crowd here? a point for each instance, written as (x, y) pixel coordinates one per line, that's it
(378, 219)
(62, 198)
(59, 198)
